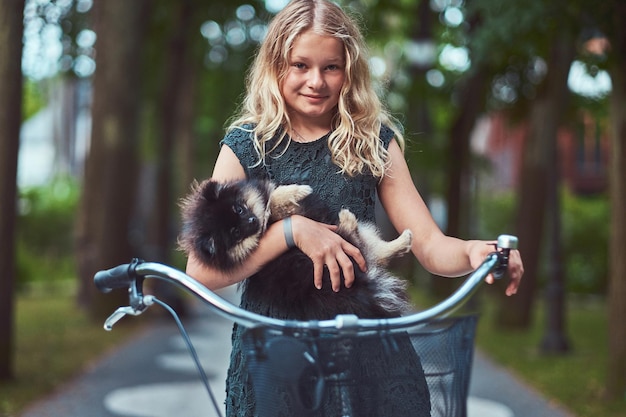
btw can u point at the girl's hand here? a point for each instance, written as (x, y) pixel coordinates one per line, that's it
(478, 251)
(327, 250)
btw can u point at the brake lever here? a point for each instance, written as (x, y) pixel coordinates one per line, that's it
(118, 314)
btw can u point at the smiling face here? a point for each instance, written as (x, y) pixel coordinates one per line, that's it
(315, 76)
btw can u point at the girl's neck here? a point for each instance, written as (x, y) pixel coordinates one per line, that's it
(309, 131)
(307, 135)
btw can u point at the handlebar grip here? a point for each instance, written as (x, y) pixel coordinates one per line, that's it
(117, 277)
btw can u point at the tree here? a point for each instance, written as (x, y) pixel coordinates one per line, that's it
(554, 339)
(104, 228)
(11, 29)
(167, 168)
(512, 40)
(471, 92)
(176, 97)
(613, 26)
(545, 119)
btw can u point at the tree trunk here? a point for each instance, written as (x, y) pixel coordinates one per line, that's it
(616, 375)
(185, 148)
(471, 95)
(159, 233)
(175, 116)
(104, 232)
(545, 118)
(419, 132)
(458, 191)
(554, 340)
(11, 32)
(176, 110)
(471, 100)
(189, 92)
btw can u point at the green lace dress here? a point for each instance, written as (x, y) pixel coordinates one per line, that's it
(310, 163)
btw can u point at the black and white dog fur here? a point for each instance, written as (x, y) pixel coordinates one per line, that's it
(222, 224)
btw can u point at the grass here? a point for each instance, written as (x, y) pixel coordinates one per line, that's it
(54, 341)
(574, 380)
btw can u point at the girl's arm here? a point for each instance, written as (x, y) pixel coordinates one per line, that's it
(317, 240)
(228, 168)
(438, 253)
(271, 246)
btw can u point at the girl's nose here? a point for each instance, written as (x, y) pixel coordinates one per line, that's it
(316, 78)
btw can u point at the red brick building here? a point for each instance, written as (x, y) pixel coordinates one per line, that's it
(583, 149)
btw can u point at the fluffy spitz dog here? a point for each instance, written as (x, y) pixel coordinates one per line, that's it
(222, 225)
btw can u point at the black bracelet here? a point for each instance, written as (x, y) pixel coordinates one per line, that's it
(288, 233)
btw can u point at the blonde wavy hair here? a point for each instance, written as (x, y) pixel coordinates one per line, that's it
(354, 142)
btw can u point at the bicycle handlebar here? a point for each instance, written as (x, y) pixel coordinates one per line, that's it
(131, 275)
(116, 277)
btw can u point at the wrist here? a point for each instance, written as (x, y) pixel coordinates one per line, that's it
(477, 250)
(288, 233)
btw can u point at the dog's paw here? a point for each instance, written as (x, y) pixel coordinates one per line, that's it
(294, 192)
(404, 241)
(285, 200)
(347, 221)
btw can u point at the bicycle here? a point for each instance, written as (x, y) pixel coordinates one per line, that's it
(310, 360)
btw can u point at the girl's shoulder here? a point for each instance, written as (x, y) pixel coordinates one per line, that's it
(240, 139)
(386, 135)
(238, 135)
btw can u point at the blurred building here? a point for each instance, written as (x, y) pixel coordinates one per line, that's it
(583, 150)
(54, 141)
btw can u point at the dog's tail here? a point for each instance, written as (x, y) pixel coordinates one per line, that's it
(390, 292)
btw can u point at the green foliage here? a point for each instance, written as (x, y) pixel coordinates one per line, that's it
(495, 213)
(519, 29)
(584, 239)
(32, 99)
(44, 231)
(585, 242)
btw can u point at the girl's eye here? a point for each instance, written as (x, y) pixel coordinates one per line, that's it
(332, 67)
(299, 65)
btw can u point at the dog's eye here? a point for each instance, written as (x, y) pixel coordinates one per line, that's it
(238, 209)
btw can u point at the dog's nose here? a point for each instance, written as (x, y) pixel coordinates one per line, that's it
(252, 220)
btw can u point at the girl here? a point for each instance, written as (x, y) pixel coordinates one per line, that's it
(311, 116)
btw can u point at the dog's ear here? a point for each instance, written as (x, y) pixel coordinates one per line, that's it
(211, 190)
